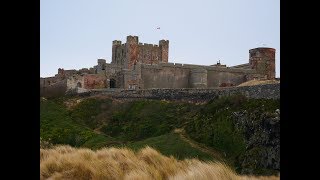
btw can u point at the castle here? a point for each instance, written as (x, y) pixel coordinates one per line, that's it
(136, 65)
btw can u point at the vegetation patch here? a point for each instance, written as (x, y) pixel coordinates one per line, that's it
(233, 125)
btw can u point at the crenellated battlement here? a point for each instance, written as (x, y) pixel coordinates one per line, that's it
(116, 42)
(164, 42)
(194, 66)
(133, 51)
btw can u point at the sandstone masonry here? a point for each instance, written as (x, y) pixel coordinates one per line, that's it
(265, 91)
(135, 65)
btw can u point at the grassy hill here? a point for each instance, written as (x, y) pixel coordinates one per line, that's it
(97, 122)
(57, 127)
(76, 127)
(171, 145)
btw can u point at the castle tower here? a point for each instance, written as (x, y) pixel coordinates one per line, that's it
(61, 73)
(115, 45)
(132, 51)
(164, 50)
(101, 68)
(263, 61)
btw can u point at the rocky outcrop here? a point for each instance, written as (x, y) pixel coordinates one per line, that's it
(262, 136)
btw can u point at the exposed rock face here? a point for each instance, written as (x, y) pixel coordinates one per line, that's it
(262, 136)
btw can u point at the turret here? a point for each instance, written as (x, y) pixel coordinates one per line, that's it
(263, 61)
(164, 50)
(132, 40)
(102, 63)
(132, 51)
(115, 45)
(61, 73)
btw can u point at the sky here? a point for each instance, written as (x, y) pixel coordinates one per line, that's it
(75, 33)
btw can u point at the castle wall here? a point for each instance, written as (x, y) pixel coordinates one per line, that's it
(112, 69)
(243, 66)
(164, 77)
(131, 80)
(268, 91)
(87, 81)
(55, 89)
(119, 80)
(75, 81)
(84, 71)
(223, 79)
(149, 53)
(198, 78)
(94, 81)
(62, 74)
(170, 75)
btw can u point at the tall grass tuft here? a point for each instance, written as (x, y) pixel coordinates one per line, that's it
(66, 162)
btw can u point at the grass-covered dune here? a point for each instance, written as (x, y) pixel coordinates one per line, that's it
(65, 162)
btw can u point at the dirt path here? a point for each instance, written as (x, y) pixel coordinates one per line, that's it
(214, 153)
(98, 130)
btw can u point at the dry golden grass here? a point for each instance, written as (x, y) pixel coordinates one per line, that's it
(65, 162)
(258, 82)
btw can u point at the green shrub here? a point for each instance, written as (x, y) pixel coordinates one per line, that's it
(86, 111)
(57, 127)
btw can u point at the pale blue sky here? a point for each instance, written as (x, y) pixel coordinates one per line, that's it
(75, 33)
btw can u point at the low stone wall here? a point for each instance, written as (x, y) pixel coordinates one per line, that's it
(54, 90)
(268, 91)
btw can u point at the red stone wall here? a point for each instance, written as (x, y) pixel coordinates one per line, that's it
(149, 54)
(132, 55)
(132, 51)
(94, 81)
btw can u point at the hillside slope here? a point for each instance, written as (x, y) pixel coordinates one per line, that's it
(232, 125)
(57, 127)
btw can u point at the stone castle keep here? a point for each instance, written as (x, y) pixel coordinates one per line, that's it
(136, 65)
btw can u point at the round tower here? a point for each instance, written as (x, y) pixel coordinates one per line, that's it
(262, 59)
(198, 78)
